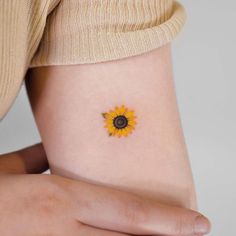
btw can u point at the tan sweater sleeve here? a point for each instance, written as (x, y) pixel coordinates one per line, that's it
(21, 27)
(77, 32)
(89, 31)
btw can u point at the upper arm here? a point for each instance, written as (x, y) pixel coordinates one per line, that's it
(69, 101)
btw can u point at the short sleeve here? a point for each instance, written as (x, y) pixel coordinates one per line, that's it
(90, 31)
(21, 28)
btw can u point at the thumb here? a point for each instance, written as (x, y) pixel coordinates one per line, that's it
(116, 210)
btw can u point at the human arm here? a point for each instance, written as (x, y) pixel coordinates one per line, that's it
(68, 102)
(27, 160)
(28, 187)
(37, 199)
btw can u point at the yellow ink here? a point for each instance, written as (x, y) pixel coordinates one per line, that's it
(120, 121)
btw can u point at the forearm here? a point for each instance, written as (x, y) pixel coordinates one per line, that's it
(28, 160)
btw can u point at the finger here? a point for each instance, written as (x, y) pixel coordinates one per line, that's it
(183, 235)
(86, 230)
(125, 212)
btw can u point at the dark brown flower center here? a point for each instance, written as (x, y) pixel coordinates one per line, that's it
(120, 122)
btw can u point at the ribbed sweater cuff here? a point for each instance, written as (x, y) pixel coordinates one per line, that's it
(90, 33)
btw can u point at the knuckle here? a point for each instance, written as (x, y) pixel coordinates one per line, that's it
(46, 203)
(46, 199)
(179, 228)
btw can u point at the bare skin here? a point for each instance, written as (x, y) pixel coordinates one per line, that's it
(54, 205)
(152, 162)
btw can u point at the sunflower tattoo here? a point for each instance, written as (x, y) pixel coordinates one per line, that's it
(120, 121)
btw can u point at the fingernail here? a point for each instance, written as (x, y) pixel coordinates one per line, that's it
(202, 225)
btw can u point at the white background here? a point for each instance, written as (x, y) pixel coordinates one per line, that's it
(204, 66)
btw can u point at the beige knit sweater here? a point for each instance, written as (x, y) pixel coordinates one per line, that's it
(55, 32)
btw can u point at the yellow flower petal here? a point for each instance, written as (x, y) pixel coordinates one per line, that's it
(132, 122)
(123, 132)
(119, 133)
(122, 110)
(129, 114)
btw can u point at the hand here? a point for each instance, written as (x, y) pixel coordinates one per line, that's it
(54, 205)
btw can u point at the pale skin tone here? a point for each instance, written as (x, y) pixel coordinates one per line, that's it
(68, 101)
(74, 207)
(152, 162)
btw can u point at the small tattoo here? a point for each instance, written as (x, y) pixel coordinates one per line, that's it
(119, 122)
